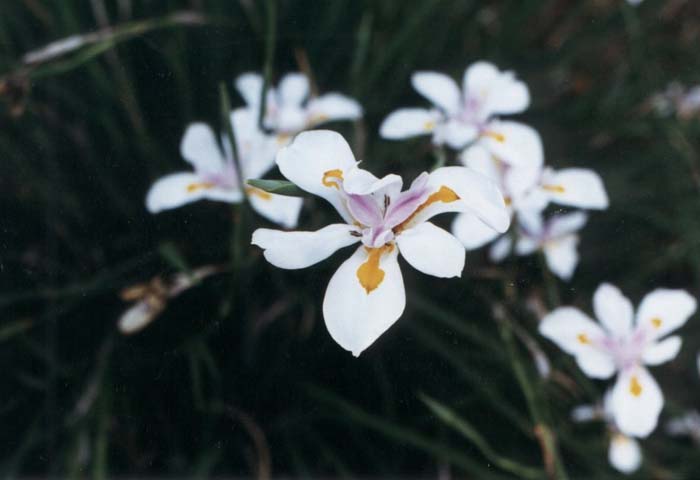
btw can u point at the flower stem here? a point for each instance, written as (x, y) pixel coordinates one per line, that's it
(270, 41)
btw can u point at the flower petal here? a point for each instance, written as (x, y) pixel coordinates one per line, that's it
(314, 161)
(566, 224)
(561, 256)
(664, 310)
(440, 89)
(356, 316)
(408, 122)
(256, 150)
(280, 209)
(571, 330)
(515, 143)
(477, 194)
(636, 402)
(663, 351)
(613, 310)
(472, 232)
(294, 250)
(454, 133)
(624, 453)
(293, 89)
(139, 316)
(250, 86)
(478, 158)
(497, 92)
(331, 107)
(432, 250)
(575, 187)
(500, 249)
(595, 364)
(177, 189)
(200, 149)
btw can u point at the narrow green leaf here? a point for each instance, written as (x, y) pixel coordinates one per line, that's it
(279, 187)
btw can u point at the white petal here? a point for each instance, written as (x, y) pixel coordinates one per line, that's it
(527, 245)
(308, 160)
(566, 224)
(478, 158)
(624, 454)
(250, 85)
(178, 189)
(138, 317)
(595, 364)
(331, 107)
(515, 143)
(664, 310)
(477, 194)
(613, 310)
(572, 330)
(432, 250)
(498, 92)
(561, 255)
(663, 351)
(256, 150)
(440, 89)
(472, 232)
(500, 249)
(576, 187)
(636, 402)
(200, 149)
(280, 209)
(293, 89)
(520, 184)
(361, 182)
(408, 122)
(354, 317)
(454, 133)
(293, 250)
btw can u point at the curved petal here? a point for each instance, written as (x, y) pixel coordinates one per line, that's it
(294, 250)
(624, 453)
(357, 312)
(178, 189)
(663, 351)
(200, 149)
(315, 161)
(408, 122)
(256, 150)
(561, 256)
(596, 364)
(440, 89)
(293, 89)
(664, 310)
(575, 187)
(281, 209)
(500, 249)
(472, 232)
(250, 86)
(613, 310)
(454, 133)
(139, 316)
(495, 91)
(571, 330)
(331, 107)
(566, 224)
(432, 250)
(636, 402)
(478, 158)
(515, 143)
(476, 193)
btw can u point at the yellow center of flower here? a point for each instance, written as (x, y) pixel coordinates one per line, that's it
(583, 338)
(635, 387)
(499, 137)
(193, 187)
(553, 188)
(369, 274)
(332, 177)
(256, 192)
(445, 195)
(656, 322)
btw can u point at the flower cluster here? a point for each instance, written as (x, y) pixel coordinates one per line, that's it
(508, 152)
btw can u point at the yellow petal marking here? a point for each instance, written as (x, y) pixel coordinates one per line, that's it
(318, 118)
(583, 338)
(508, 200)
(193, 187)
(429, 125)
(283, 138)
(635, 387)
(256, 192)
(553, 188)
(444, 194)
(499, 137)
(332, 177)
(369, 274)
(656, 322)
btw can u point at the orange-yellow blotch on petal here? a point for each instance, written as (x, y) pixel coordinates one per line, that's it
(553, 188)
(429, 125)
(318, 118)
(332, 177)
(499, 137)
(583, 338)
(507, 200)
(635, 387)
(283, 138)
(444, 194)
(369, 274)
(193, 187)
(656, 322)
(256, 192)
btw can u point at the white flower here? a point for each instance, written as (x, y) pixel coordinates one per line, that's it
(461, 117)
(289, 109)
(366, 295)
(686, 425)
(214, 176)
(618, 345)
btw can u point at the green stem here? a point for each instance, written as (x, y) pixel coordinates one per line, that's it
(270, 41)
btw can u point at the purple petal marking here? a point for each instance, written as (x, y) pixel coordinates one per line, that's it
(406, 203)
(364, 209)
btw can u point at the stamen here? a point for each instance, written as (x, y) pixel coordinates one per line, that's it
(256, 192)
(635, 387)
(445, 195)
(369, 274)
(553, 188)
(336, 174)
(193, 187)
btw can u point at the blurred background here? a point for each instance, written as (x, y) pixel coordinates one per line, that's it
(238, 376)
